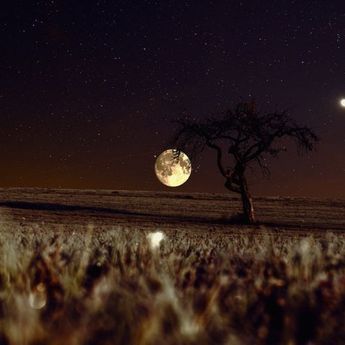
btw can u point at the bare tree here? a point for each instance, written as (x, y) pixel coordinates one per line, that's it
(242, 137)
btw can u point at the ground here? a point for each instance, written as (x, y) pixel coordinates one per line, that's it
(104, 208)
(80, 267)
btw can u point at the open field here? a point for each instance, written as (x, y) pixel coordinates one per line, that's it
(82, 267)
(148, 209)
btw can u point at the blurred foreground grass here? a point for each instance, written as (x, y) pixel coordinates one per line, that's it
(127, 286)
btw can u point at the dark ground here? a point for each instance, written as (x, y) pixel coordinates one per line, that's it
(168, 210)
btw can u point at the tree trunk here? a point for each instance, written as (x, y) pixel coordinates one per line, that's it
(247, 201)
(237, 183)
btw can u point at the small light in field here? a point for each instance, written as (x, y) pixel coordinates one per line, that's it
(305, 246)
(38, 297)
(155, 238)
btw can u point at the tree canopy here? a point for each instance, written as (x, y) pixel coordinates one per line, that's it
(244, 134)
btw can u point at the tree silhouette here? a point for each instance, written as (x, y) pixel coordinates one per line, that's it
(245, 137)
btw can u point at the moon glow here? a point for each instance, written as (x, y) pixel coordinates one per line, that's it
(342, 102)
(172, 169)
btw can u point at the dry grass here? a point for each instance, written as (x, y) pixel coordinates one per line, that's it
(115, 287)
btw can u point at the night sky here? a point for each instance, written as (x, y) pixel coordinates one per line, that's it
(88, 89)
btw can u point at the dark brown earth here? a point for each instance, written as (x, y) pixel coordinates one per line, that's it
(198, 211)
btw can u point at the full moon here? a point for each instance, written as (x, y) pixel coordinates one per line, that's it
(342, 102)
(173, 168)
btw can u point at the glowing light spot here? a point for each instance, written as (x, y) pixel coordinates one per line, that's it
(155, 239)
(342, 102)
(38, 297)
(173, 169)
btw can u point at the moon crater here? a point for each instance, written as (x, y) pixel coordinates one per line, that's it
(173, 168)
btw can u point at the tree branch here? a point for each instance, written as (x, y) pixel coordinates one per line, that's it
(219, 157)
